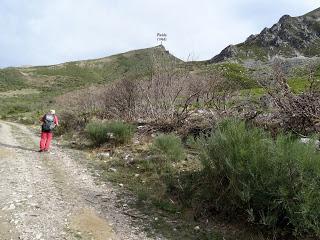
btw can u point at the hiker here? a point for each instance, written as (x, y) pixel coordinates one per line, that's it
(49, 122)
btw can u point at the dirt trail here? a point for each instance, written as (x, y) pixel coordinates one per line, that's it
(50, 196)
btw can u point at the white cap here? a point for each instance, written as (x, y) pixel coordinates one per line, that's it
(52, 111)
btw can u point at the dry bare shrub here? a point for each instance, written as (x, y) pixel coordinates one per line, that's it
(215, 91)
(163, 97)
(76, 108)
(165, 94)
(299, 112)
(85, 100)
(121, 100)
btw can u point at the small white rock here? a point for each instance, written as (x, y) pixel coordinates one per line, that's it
(38, 236)
(11, 207)
(112, 170)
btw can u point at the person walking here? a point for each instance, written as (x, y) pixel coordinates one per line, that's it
(49, 122)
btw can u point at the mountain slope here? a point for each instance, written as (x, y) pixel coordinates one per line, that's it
(80, 73)
(34, 88)
(290, 37)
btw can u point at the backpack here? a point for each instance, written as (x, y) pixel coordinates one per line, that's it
(48, 123)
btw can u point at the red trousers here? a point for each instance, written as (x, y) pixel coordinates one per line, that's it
(45, 141)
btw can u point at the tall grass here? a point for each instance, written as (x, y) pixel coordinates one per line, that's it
(270, 182)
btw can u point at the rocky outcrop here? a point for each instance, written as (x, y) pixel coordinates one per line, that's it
(229, 52)
(290, 37)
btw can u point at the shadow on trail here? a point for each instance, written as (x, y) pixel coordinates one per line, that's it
(17, 147)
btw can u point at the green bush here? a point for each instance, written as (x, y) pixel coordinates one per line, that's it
(102, 132)
(97, 132)
(275, 183)
(169, 146)
(122, 132)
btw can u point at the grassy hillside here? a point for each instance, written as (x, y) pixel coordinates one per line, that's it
(33, 89)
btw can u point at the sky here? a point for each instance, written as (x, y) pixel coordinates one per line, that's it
(39, 32)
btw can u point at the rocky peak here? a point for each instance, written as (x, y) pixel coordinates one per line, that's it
(284, 18)
(290, 37)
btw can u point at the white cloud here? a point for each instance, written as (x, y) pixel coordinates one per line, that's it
(47, 32)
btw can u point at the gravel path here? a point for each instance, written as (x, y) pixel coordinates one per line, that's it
(50, 196)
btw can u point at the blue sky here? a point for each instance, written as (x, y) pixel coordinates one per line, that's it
(38, 32)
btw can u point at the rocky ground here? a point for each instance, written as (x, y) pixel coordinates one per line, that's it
(52, 196)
